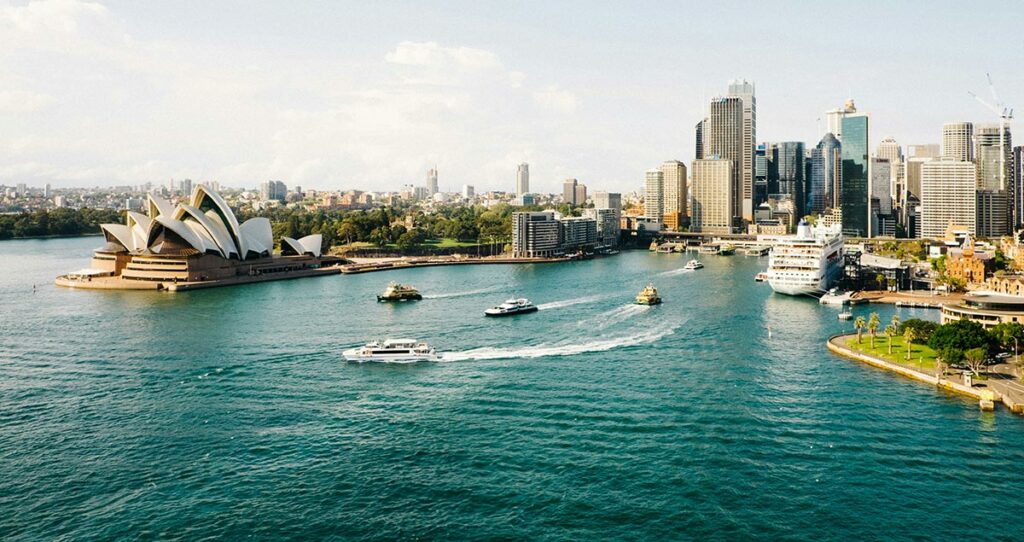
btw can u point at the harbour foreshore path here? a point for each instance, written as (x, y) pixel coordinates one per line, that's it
(1001, 385)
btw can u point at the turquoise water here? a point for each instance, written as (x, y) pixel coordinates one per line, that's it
(227, 413)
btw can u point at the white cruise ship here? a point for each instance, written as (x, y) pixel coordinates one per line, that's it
(806, 263)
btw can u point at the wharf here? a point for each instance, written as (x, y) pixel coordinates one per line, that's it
(1001, 384)
(906, 299)
(406, 263)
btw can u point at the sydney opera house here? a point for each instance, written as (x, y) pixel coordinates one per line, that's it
(199, 244)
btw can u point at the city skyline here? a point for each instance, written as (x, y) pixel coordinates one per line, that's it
(118, 93)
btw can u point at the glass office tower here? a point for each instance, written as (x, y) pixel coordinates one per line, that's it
(854, 197)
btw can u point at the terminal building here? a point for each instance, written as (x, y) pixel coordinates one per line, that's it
(198, 244)
(986, 308)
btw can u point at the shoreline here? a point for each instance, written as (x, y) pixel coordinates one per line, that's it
(986, 396)
(370, 265)
(905, 299)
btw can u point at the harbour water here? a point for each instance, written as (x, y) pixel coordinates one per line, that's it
(228, 412)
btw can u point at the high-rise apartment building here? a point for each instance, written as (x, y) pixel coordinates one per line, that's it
(608, 200)
(823, 185)
(958, 141)
(608, 208)
(580, 197)
(432, 181)
(713, 198)
(522, 179)
(673, 194)
(744, 90)
(535, 234)
(948, 189)
(854, 198)
(569, 191)
(273, 190)
(725, 142)
(654, 194)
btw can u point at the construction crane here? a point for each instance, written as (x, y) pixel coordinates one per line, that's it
(1005, 115)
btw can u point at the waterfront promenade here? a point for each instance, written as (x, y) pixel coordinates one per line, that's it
(369, 265)
(1000, 384)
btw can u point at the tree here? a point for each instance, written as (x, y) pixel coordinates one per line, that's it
(895, 321)
(923, 329)
(410, 239)
(1007, 335)
(960, 334)
(859, 325)
(873, 323)
(909, 334)
(976, 359)
(890, 331)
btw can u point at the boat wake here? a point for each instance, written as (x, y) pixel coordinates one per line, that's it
(625, 311)
(570, 302)
(673, 272)
(563, 349)
(462, 294)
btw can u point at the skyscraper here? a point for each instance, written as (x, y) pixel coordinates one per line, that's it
(610, 201)
(791, 174)
(713, 198)
(701, 138)
(654, 194)
(854, 197)
(725, 141)
(993, 155)
(760, 174)
(522, 179)
(947, 197)
(958, 141)
(834, 118)
(890, 150)
(569, 191)
(823, 186)
(1017, 186)
(673, 193)
(744, 90)
(884, 222)
(432, 181)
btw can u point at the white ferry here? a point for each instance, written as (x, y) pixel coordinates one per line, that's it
(512, 306)
(393, 351)
(806, 263)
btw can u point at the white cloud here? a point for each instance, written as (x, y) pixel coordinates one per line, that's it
(99, 106)
(556, 99)
(431, 54)
(22, 101)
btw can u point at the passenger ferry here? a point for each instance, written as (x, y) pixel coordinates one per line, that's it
(806, 263)
(399, 292)
(512, 306)
(648, 296)
(392, 351)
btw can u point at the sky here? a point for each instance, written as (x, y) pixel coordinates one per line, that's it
(370, 95)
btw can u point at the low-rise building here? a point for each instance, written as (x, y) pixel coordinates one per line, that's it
(986, 308)
(969, 265)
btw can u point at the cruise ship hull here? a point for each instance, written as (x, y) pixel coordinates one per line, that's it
(807, 263)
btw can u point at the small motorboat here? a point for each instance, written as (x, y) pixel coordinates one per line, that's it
(761, 277)
(693, 265)
(845, 315)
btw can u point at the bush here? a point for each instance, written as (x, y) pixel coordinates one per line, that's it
(962, 335)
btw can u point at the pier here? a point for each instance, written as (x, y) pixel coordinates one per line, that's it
(389, 264)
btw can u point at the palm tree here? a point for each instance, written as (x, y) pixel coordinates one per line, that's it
(890, 331)
(895, 321)
(909, 335)
(873, 324)
(859, 324)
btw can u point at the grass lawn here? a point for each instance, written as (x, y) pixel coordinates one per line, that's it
(449, 243)
(921, 357)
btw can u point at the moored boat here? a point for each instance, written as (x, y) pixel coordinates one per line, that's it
(512, 306)
(648, 296)
(392, 351)
(726, 250)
